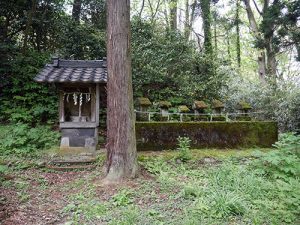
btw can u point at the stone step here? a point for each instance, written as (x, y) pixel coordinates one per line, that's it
(86, 160)
(71, 167)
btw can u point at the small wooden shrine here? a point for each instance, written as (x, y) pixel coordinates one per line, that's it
(79, 83)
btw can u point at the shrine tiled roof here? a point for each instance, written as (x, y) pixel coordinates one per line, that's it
(73, 71)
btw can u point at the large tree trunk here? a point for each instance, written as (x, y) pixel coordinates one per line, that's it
(121, 145)
(261, 59)
(267, 56)
(206, 16)
(173, 14)
(76, 10)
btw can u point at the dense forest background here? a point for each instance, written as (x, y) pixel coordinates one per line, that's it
(182, 50)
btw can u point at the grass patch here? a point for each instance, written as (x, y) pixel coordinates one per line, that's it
(229, 186)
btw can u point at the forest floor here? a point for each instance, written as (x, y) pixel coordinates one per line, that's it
(215, 187)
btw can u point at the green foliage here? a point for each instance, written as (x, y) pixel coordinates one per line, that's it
(122, 198)
(23, 99)
(283, 163)
(21, 139)
(184, 146)
(280, 103)
(168, 67)
(90, 42)
(232, 192)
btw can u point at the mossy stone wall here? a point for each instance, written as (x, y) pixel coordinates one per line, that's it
(242, 134)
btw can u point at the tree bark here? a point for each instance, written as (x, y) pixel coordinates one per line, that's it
(173, 14)
(187, 20)
(215, 34)
(142, 8)
(238, 43)
(261, 59)
(228, 45)
(206, 16)
(121, 145)
(30, 14)
(76, 10)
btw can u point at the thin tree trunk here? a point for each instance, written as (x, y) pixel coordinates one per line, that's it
(238, 43)
(31, 14)
(166, 15)
(173, 14)
(121, 145)
(76, 10)
(228, 45)
(215, 34)
(187, 20)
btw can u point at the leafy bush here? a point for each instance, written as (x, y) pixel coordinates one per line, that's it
(21, 139)
(23, 99)
(184, 149)
(283, 163)
(280, 103)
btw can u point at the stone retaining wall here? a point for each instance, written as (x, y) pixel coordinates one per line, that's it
(163, 135)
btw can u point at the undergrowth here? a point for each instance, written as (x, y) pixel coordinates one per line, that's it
(22, 140)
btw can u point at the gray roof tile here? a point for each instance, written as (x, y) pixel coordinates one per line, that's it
(74, 71)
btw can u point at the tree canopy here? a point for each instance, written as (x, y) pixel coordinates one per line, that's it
(182, 50)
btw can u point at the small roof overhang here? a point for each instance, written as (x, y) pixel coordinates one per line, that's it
(73, 71)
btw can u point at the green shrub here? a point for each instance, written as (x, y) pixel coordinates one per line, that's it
(21, 139)
(23, 99)
(159, 117)
(122, 198)
(184, 149)
(282, 163)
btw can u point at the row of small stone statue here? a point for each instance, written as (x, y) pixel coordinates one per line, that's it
(198, 106)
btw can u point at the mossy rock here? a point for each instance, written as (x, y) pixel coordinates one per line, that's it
(183, 109)
(217, 104)
(243, 118)
(218, 118)
(199, 105)
(242, 105)
(164, 104)
(142, 101)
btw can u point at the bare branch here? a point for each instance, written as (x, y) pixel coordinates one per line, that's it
(142, 8)
(256, 6)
